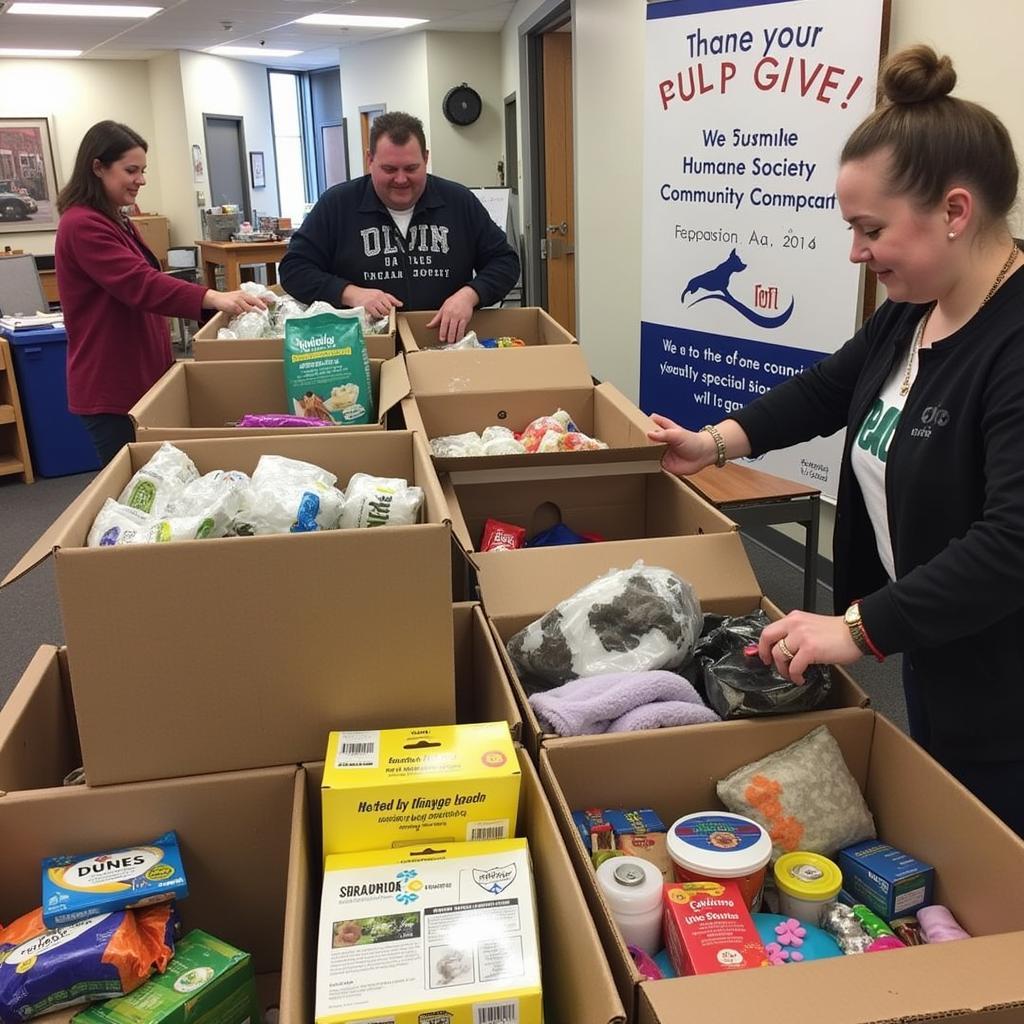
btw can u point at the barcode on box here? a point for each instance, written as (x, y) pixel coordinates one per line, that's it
(480, 830)
(496, 1013)
(357, 750)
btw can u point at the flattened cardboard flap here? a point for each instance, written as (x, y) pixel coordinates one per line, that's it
(532, 582)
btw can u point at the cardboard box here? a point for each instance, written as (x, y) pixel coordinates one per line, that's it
(618, 507)
(451, 396)
(192, 659)
(206, 345)
(39, 736)
(234, 830)
(519, 588)
(193, 400)
(384, 788)
(531, 324)
(916, 806)
(575, 979)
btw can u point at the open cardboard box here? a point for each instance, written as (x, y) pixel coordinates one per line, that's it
(483, 391)
(232, 653)
(206, 345)
(518, 589)
(531, 324)
(233, 830)
(577, 984)
(193, 400)
(918, 807)
(617, 507)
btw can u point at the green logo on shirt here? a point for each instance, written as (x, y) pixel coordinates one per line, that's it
(877, 429)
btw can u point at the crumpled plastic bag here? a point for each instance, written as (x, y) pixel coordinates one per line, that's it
(217, 496)
(159, 481)
(289, 496)
(468, 340)
(629, 620)
(260, 291)
(739, 685)
(254, 323)
(380, 501)
(224, 334)
(116, 525)
(457, 445)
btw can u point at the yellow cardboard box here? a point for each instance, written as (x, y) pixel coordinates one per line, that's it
(403, 787)
(429, 935)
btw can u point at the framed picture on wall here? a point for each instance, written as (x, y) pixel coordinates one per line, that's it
(28, 175)
(256, 169)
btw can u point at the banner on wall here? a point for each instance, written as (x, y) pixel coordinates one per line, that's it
(746, 272)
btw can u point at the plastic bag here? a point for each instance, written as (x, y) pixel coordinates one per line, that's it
(217, 496)
(457, 445)
(159, 481)
(118, 524)
(224, 334)
(260, 291)
(738, 685)
(277, 419)
(629, 620)
(255, 323)
(379, 501)
(289, 496)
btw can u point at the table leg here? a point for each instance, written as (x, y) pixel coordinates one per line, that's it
(811, 555)
(210, 273)
(232, 274)
(271, 274)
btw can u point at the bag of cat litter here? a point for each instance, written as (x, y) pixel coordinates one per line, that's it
(629, 620)
(379, 501)
(326, 368)
(159, 481)
(289, 496)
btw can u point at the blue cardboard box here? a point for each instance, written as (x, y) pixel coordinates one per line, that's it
(888, 881)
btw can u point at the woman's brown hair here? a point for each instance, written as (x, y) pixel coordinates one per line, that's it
(106, 141)
(935, 140)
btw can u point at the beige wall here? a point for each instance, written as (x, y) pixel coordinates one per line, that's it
(170, 147)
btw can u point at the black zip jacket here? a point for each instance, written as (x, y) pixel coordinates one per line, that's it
(955, 491)
(349, 238)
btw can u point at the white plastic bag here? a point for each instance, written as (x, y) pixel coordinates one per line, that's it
(218, 496)
(290, 496)
(379, 501)
(116, 525)
(159, 481)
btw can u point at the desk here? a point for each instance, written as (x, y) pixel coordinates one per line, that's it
(753, 498)
(232, 256)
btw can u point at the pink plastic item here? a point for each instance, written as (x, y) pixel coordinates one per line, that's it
(273, 419)
(939, 925)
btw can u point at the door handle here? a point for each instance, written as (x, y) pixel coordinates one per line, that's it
(562, 228)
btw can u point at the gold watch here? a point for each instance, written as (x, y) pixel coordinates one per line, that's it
(856, 627)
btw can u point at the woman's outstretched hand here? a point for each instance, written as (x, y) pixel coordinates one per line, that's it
(688, 450)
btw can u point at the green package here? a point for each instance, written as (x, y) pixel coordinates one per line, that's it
(206, 982)
(327, 369)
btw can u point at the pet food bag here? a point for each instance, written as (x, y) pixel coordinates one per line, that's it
(327, 369)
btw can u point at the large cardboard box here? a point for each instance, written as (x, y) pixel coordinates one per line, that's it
(917, 806)
(520, 588)
(617, 507)
(574, 973)
(531, 324)
(193, 400)
(234, 830)
(206, 345)
(451, 396)
(237, 652)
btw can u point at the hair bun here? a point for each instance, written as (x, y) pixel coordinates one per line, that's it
(917, 75)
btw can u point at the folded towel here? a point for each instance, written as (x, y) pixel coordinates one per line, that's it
(620, 702)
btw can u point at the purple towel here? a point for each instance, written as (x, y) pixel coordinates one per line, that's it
(620, 702)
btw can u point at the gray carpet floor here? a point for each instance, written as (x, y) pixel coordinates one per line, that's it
(29, 614)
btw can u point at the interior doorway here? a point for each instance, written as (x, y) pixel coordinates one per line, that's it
(226, 162)
(367, 115)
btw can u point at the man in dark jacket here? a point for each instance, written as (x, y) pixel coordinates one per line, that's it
(399, 237)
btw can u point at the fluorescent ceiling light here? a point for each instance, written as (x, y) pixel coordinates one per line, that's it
(84, 10)
(251, 51)
(39, 53)
(359, 21)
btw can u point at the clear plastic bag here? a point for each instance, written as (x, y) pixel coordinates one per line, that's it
(290, 496)
(255, 323)
(379, 501)
(217, 496)
(159, 481)
(457, 445)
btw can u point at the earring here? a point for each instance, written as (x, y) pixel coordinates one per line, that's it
(951, 235)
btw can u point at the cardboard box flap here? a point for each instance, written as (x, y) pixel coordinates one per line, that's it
(296, 991)
(535, 368)
(535, 580)
(394, 385)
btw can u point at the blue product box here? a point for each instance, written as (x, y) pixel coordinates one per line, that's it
(77, 886)
(888, 881)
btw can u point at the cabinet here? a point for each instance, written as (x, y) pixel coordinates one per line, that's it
(156, 233)
(14, 456)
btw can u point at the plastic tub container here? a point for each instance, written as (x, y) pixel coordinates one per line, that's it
(632, 888)
(808, 885)
(710, 845)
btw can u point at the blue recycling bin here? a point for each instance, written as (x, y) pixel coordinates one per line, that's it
(59, 443)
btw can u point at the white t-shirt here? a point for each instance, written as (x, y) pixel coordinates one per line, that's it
(402, 219)
(870, 452)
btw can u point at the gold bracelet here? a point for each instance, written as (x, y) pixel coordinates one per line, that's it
(716, 436)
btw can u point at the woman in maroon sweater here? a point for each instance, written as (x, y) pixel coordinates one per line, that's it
(113, 294)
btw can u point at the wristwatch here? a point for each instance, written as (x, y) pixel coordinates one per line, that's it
(856, 627)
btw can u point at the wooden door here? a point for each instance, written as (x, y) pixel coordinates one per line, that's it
(367, 115)
(560, 227)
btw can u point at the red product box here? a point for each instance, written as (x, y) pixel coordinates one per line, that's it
(499, 536)
(708, 929)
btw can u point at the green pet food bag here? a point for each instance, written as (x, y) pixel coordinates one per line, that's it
(327, 370)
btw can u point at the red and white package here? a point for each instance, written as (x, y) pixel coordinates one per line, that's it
(499, 536)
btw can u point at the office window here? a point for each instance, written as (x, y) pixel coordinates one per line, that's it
(289, 142)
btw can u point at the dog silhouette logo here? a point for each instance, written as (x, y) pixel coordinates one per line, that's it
(716, 283)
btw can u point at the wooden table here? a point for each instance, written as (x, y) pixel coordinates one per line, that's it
(232, 256)
(753, 498)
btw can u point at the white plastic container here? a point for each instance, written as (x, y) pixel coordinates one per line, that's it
(716, 844)
(632, 888)
(808, 885)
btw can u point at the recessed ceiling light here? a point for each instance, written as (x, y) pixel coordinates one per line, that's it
(83, 10)
(251, 51)
(39, 53)
(359, 21)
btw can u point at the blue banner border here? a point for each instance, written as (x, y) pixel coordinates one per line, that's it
(679, 8)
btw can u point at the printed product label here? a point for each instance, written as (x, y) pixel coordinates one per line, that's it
(358, 749)
(719, 835)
